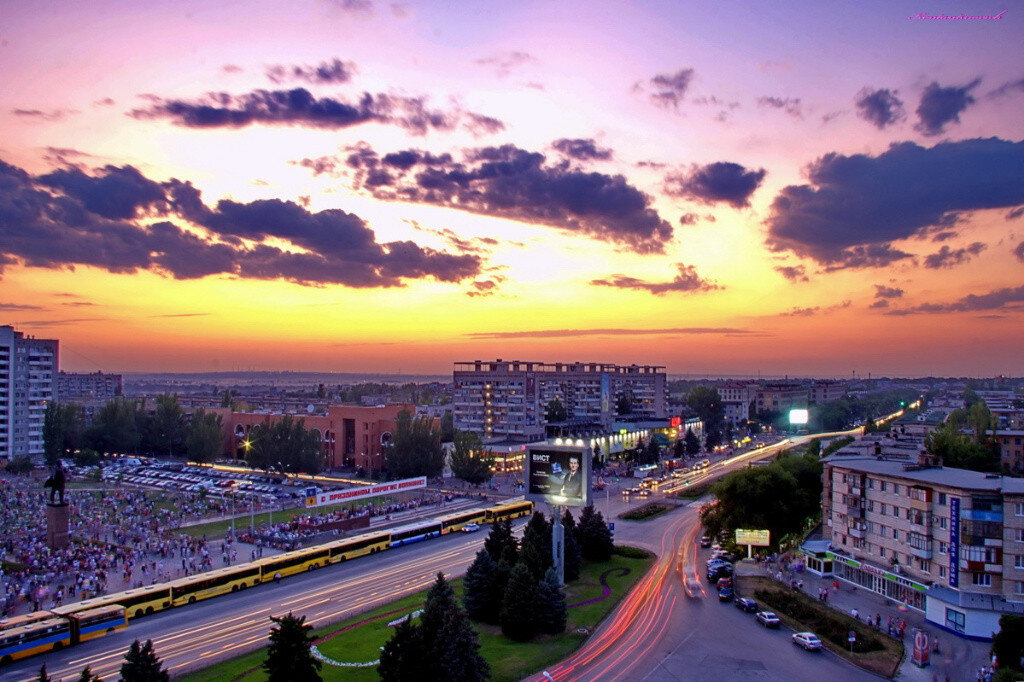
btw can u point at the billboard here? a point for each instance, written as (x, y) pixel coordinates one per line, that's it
(558, 474)
(755, 538)
(798, 416)
(339, 496)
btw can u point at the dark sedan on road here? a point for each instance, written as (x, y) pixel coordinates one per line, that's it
(746, 604)
(725, 594)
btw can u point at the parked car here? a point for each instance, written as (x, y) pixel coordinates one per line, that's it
(705, 541)
(725, 594)
(767, 619)
(808, 641)
(745, 604)
(723, 582)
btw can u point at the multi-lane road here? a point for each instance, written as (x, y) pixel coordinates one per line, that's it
(670, 627)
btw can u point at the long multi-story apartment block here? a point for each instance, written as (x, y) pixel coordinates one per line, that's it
(28, 369)
(507, 400)
(737, 399)
(948, 542)
(97, 385)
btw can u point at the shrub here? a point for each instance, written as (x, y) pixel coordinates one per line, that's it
(826, 623)
(631, 552)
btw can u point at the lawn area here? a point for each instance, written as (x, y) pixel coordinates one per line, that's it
(874, 651)
(217, 529)
(358, 639)
(647, 511)
(695, 491)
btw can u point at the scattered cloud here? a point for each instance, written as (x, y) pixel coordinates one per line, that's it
(117, 193)
(790, 105)
(1006, 89)
(1000, 299)
(940, 106)
(1015, 213)
(686, 281)
(881, 107)
(667, 89)
(483, 287)
(794, 273)
(689, 219)
(183, 315)
(1019, 252)
(855, 206)
(815, 310)
(880, 303)
(335, 71)
(722, 181)
(582, 149)
(639, 331)
(105, 102)
(40, 115)
(503, 63)
(19, 306)
(882, 291)
(947, 257)
(231, 68)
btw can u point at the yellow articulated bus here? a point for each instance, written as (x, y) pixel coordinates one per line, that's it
(290, 563)
(137, 602)
(93, 623)
(509, 510)
(457, 521)
(361, 545)
(40, 636)
(214, 583)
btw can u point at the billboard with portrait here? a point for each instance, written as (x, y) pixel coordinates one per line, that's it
(558, 474)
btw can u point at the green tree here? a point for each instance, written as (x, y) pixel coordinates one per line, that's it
(115, 427)
(707, 404)
(594, 536)
(982, 422)
(402, 657)
(501, 543)
(554, 412)
(535, 548)
(519, 606)
(203, 441)
(650, 453)
(43, 677)
(551, 609)
(63, 430)
(447, 427)
(624, 405)
(228, 399)
(1008, 643)
(713, 440)
(450, 647)
(469, 461)
(142, 665)
(415, 449)
(19, 465)
(167, 427)
(289, 656)
(87, 676)
(287, 441)
(959, 451)
(478, 589)
(692, 442)
(573, 559)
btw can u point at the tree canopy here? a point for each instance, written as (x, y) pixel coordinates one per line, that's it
(289, 656)
(286, 442)
(203, 440)
(469, 461)
(415, 449)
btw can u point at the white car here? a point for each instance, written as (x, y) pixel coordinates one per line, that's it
(807, 641)
(470, 528)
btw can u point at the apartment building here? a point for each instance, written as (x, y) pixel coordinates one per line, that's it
(782, 396)
(507, 400)
(1011, 450)
(737, 397)
(826, 390)
(73, 386)
(28, 369)
(948, 542)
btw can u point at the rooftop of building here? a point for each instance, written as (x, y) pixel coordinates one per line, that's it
(500, 365)
(937, 475)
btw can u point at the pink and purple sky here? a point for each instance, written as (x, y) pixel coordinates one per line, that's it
(355, 185)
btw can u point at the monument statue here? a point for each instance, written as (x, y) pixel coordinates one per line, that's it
(56, 484)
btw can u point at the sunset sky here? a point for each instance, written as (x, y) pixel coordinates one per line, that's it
(811, 188)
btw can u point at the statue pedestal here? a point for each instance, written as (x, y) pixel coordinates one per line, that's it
(57, 518)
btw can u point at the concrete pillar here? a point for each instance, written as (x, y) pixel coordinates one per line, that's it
(57, 518)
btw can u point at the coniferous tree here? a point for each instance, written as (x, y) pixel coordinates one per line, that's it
(501, 543)
(519, 606)
(478, 589)
(43, 677)
(535, 549)
(438, 607)
(594, 536)
(142, 665)
(289, 656)
(87, 676)
(402, 658)
(573, 558)
(551, 609)
(691, 442)
(502, 572)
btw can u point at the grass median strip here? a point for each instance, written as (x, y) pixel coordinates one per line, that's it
(358, 639)
(648, 511)
(873, 650)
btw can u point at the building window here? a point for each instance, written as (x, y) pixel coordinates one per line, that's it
(881, 552)
(942, 522)
(981, 579)
(1020, 587)
(882, 488)
(871, 484)
(895, 534)
(1020, 535)
(955, 620)
(1018, 508)
(1018, 561)
(942, 499)
(942, 571)
(943, 547)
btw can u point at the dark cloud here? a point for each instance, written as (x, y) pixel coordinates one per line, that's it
(485, 287)
(880, 107)
(793, 273)
(582, 149)
(638, 331)
(947, 257)
(1000, 299)
(689, 219)
(513, 183)
(354, 6)
(232, 68)
(882, 291)
(940, 106)
(855, 206)
(790, 105)
(1019, 252)
(40, 115)
(687, 280)
(801, 312)
(880, 303)
(1015, 213)
(667, 89)
(183, 315)
(333, 72)
(105, 102)
(504, 62)
(1007, 88)
(716, 182)
(58, 323)
(481, 125)
(19, 306)
(64, 156)
(63, 219)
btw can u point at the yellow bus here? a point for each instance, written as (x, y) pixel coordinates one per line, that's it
(455, 522)
(93, 623)
(24, 619)
(137, 602)
(290, 563)
(361, 545)
(509, 510)
(214, 583)
(36, 637)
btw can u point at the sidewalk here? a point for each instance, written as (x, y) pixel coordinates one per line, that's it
(958, 659)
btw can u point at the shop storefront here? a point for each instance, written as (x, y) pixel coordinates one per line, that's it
(879, 581)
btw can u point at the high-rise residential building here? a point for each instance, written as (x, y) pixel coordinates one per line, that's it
(76, 386)
(947, 542)
(28, 371)
(507, 399)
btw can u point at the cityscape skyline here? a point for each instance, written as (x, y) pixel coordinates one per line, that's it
(814, 191)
